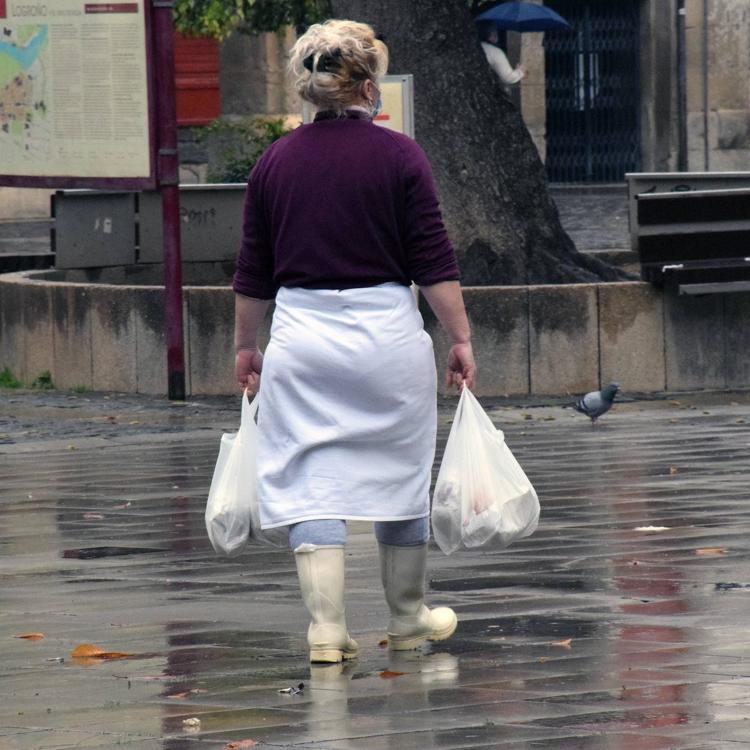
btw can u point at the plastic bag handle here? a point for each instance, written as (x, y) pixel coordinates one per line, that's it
(249, 409)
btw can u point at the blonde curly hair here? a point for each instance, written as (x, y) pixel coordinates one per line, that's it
(331, 60)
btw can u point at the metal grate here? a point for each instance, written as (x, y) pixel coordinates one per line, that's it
(592, 91)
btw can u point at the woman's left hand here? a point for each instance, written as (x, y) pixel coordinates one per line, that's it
(248, 364)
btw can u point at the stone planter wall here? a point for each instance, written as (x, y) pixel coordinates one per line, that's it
(540, 340)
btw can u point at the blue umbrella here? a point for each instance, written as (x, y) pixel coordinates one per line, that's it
(517, 16)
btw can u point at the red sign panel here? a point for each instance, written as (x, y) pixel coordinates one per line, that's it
(3, 10)
(111, 8)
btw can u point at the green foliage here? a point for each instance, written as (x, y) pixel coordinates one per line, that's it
(43, 381)
(218, 18)
(243, 143)
(8, 380)
(271, 15)
(80, 389)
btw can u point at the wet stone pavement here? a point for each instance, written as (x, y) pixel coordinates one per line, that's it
(593, 633)
(596, 217)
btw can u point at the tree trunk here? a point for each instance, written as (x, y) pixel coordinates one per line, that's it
(491, 181)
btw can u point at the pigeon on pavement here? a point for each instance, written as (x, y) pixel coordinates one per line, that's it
(596, 403)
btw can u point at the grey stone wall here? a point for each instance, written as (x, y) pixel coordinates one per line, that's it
(726, 85)
(253, 78)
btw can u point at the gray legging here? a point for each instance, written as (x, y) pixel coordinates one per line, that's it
(326, 532)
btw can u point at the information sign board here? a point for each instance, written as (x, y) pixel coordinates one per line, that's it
(75, 90)
(398, 104)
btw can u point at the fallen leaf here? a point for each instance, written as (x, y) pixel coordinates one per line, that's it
(711, 551)
(93, 516)
(673, 470)
(740, 421)
(676, 403)
(240, 744)
(383, 643)
(192, 722)
(30, 636)
(185, 693)
(542, 659)
(528, 416)
(567, 643)
(90, 651)
(387, 674)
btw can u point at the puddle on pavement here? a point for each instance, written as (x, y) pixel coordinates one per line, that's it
(95, 553)
(514, 581)
(529, 626)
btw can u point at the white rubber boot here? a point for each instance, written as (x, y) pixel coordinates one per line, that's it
(411, 624)
(321, 579)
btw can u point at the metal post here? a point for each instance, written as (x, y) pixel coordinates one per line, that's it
(587, 98)
(682, 127)
(706, 120)
(168, 181)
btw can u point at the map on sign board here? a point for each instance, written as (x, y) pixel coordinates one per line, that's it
(24, 90)
(73, 90)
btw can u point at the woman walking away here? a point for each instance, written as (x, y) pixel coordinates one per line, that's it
(340, 217)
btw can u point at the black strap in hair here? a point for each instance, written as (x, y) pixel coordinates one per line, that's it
(329, 63)
(380, 37)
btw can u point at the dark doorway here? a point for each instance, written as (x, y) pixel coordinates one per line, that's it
(592, 91)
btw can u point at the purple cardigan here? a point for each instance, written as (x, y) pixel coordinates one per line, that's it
(342, 203)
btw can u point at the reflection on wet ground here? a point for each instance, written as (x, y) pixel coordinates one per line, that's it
(594, 633)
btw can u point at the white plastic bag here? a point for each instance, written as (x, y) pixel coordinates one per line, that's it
(482, 497)
(232, 513)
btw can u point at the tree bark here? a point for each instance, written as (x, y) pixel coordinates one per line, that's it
(491, 181)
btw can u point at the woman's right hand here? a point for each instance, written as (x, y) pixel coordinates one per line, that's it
(461, 367)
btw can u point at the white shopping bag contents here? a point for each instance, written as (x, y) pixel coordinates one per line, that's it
(482, 496)
(232, 512)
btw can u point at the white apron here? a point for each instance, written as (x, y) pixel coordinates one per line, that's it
(347, 413)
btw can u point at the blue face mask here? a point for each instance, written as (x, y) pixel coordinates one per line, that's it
(377, 108)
